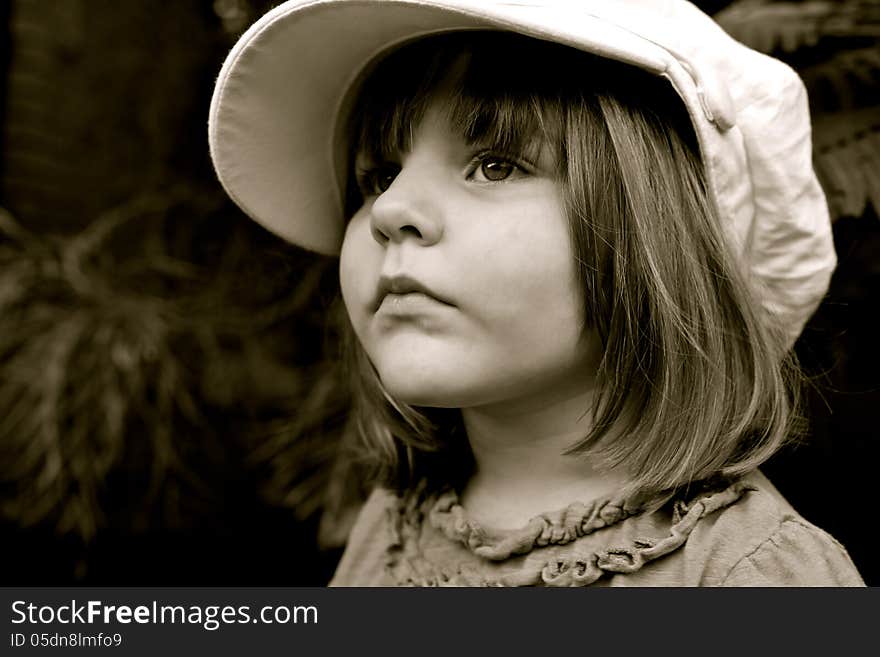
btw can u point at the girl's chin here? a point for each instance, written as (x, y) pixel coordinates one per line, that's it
(430, 394)
(439, 375)
(432, 390)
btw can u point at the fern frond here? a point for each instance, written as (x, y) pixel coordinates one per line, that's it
(766, 26)
(847, 80)
(112, 349)
(835, 129)
(789, 26)
(847, 160)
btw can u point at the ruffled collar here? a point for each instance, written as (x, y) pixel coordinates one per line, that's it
(441, 514)
(557, 528)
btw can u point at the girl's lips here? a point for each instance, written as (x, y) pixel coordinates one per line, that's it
(404, 292)
(409, 304)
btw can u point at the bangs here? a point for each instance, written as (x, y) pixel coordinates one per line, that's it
(499, 90)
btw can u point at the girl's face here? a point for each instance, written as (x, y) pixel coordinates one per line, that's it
(458, 275)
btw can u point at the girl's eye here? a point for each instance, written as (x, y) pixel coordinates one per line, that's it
(493, 168)
(376, 180)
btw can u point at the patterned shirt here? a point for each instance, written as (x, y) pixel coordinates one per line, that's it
(743, 533)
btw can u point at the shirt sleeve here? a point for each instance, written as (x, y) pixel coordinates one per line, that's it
(797, 554)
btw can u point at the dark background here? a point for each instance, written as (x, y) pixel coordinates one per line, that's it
(170, 408)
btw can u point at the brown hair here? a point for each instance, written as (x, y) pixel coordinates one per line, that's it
(694, 380)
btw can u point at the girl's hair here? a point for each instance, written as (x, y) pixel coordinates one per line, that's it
(693, 380)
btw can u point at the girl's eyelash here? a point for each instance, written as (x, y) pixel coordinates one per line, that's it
(371, 178)
(481, 156)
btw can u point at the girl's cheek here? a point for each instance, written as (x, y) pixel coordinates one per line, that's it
(346, 265)
(355, 264)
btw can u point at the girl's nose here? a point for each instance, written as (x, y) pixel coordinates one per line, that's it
(407, 209)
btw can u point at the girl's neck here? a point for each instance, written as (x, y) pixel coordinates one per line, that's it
(521, 468)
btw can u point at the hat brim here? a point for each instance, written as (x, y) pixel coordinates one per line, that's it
(280, 95)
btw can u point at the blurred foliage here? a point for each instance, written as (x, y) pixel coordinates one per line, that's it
(835, 47)
(140, 343)
(98, 94)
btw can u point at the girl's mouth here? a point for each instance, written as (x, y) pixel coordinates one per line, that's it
(402, 292)
(409, 304)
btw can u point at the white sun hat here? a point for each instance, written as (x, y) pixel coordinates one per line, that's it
(279, 102)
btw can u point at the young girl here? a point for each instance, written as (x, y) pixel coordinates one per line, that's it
(577, 240)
